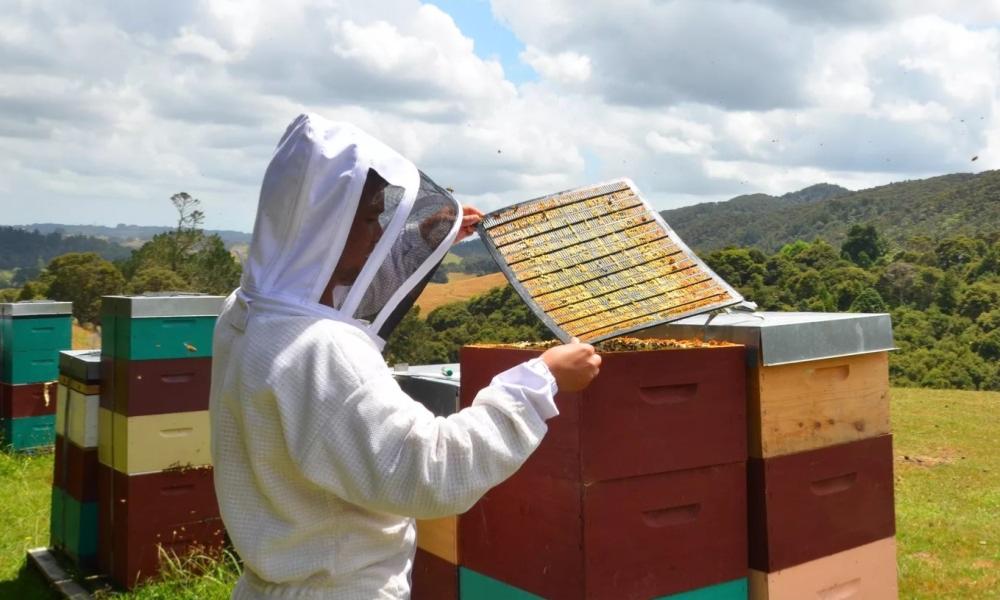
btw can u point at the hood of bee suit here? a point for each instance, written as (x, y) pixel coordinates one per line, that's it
(308, 200)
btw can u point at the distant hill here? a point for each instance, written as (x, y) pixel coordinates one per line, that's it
(20, 248)
(130, 234)
(942, 206)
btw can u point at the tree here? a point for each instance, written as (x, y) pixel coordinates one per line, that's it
(868, 301)
(82, 278)
(188, 232)
(978, 298)
(958, 251)
(156, 279)
(946, 293)
(863, 246)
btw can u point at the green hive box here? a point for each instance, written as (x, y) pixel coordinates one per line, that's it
(57, 519)
(160, 326)
(80, 527)
(475, 586)
(28, 433)
(31, 336)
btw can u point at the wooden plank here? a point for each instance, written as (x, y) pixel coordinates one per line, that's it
(809, 405)
(868, 571)
(45, 562)
(439, 537)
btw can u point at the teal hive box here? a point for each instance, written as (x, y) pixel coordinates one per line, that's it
(57, 519)
(80, 523)
(156, 327)
(31, 336)
(475, 586)
(30, 366)
(36, 333)
(28, 433)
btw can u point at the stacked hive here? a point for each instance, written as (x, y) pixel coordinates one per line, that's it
(31, 336)
(638, 489)
(155, 489)
(74, 482)
(821, 516)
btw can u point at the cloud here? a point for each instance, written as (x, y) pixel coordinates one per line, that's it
(106, 109)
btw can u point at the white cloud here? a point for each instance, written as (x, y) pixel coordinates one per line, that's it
(108, 108)
(565, 67)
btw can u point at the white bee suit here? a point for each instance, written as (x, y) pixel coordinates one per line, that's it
(321, 461)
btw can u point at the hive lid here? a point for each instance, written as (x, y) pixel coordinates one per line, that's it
(162, 305)
(434, 373)
(598, 262)
(780, 338)
(35, 308)
(81, 365)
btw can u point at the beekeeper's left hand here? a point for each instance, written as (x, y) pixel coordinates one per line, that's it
(471, 217)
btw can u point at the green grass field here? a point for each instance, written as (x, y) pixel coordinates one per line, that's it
(947, 507)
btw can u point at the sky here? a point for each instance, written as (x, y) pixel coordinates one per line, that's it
(108, 108)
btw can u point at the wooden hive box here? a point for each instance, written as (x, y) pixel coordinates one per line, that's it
(154, 442)
(31, 335)
(814, 379)
(640, 475)
(27, 400)
(137, 514)
(811, 504)
(157, 386)
(868, 571)
(162, 326)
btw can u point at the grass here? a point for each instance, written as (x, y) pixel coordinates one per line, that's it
(947, 508)
(460, 286)
(85, 338)
(947, 493)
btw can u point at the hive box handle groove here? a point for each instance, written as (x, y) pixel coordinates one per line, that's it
(831, 374)
(832, 485)
(178, 432)
(676, 515)
(177, 378)
(668, 394)
(841, 591)
(174, 490)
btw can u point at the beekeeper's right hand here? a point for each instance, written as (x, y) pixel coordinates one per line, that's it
(573, 365)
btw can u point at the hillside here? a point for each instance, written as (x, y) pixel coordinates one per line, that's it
(938, 207)
(20, 248)
(460, 287)
(130, 233)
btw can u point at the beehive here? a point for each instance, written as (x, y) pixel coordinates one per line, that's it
(638, 481)
(154, 474)
(820, 472)
(31, 336)
(74, 482)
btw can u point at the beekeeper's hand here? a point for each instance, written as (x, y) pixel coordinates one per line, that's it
(573, 365)
(471, 217)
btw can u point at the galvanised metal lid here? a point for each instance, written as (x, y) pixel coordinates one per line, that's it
(165, 304)
(787, 337)
(81, 365)
(35, 308)
(447, 374)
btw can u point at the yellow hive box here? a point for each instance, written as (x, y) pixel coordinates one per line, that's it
(867, 571)
(81, 419)
(439, 537)
(62, 405)
(151, 443)
(814, 404)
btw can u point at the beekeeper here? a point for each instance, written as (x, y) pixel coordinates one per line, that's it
(321, 461)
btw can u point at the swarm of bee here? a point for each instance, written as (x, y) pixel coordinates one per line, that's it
(620, 344)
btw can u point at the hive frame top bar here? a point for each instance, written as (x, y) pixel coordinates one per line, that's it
(523, 209)
(36, 308)
(176, 305)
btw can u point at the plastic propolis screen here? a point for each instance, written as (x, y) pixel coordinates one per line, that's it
(598, 262)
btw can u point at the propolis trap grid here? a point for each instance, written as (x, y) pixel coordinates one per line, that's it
(598, 262)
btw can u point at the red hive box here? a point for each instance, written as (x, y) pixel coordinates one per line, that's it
(175, 509)
(155, 387)
(638, 489)
(812, 504)
(75, 470)
(433, 578)
(27, 400)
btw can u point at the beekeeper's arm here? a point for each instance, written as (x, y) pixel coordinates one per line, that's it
(362, 438)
